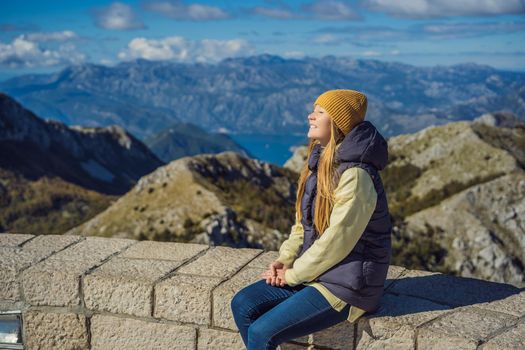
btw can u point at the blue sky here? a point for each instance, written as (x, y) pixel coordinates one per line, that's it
(45, 36)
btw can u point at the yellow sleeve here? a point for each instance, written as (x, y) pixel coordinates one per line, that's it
(356, 199)
(291, 247)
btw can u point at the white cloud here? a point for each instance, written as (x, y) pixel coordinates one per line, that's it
(367, 35)
(330, 10)
(25, 53)
(462, 30)
(106, 62)
(178, 10)
(278, 13)
(117, 16)
(51, 36)
(325, 39)
(445, 8)
(293, 54)
(371, 53)
(178, 48)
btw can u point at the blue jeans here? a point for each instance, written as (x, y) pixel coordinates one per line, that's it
(267, 315)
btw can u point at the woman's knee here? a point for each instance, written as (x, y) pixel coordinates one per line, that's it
(238, 301)
(245, 296)
(241, 302)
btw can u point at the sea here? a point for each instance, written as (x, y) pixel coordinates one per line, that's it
(276, 149)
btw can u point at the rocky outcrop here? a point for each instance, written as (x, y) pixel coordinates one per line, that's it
(298, 158)
(462, 185)
(78, 292)
(218, 199)
(482, 229)
(108, 160)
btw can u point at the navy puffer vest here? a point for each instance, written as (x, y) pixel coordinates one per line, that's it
(359, 278)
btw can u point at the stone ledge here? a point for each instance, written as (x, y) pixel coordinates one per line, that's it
(80, 292)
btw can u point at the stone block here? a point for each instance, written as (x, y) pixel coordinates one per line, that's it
(94, 249)
(55, 281)
(512, 305)
(163, 250)
(119, 333)
(450, 290)
(185, 298)
(339, 336)
(220, 262)
(13, 239)
(394, 324)
(14, 258)
(294, 346)
(212, 339)
(462, 329)
(49, 330)
(513, 338)
(123, 285)
(263, 260)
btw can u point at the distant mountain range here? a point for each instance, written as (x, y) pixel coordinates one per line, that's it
(264, 94)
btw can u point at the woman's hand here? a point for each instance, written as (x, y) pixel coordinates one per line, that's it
(275, 274)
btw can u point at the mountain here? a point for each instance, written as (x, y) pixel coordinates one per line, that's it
(54, 177)
(456, 193)
(104, 159)
(219, 199)
(467, 201)
(187, 139)
(265, 94)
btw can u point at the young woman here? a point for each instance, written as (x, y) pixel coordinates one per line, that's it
(334, 264)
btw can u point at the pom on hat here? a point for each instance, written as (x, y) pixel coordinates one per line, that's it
(346, 107)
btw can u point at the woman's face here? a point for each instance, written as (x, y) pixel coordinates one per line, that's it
(319, 122)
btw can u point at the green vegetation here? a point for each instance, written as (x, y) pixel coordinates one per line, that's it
(421, 252)
(511, 140)
(264, 203)
(398, 180)
(46, 205)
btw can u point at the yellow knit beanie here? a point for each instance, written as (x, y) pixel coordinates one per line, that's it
(346, 107)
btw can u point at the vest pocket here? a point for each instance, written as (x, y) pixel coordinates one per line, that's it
(375, 273)
(348, 274)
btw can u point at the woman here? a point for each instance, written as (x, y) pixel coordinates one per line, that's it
(334, 264)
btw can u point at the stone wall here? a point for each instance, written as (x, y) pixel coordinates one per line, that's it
(81, 292)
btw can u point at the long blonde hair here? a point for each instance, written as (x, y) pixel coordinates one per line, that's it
(327, 179)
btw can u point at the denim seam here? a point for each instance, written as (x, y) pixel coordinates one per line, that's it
(296, 323)
(263, 302)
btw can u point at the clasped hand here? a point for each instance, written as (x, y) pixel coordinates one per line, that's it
(275, 274)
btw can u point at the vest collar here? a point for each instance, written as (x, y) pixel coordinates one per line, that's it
(314, 157)
(364, 143)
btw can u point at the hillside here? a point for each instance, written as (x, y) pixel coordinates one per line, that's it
(219, 199)
(108, 160)
(53, 177)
